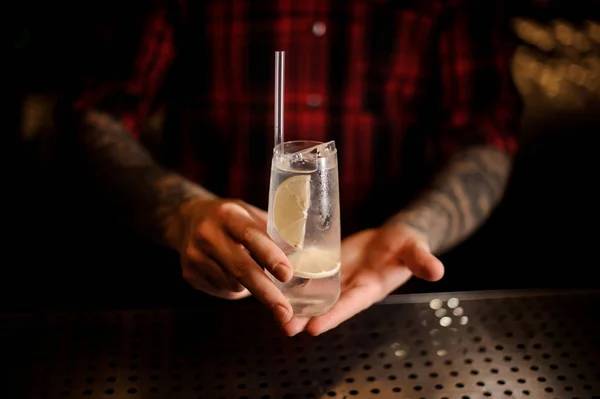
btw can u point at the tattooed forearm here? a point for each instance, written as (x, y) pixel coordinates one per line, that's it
(461, 197)
(148, 194)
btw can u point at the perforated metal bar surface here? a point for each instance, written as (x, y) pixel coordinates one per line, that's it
(452, 346)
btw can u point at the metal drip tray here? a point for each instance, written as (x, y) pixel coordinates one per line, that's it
(463, 346)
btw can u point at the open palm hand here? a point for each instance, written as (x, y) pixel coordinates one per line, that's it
(374, 263)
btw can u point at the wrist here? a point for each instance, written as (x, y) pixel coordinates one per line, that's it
(174, 232)
(414, 223)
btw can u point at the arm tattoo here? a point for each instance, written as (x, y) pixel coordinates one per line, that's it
(461, 198)
(149, 195)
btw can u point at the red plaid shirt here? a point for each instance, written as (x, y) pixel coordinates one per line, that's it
(399, 85)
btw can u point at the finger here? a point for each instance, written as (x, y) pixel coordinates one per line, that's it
(257, 214)
(352, 301)
(239, 263)
(208, 287)
(204, 284)
(422, 262)
(211, 271)
(295, 325)
(245, 230)
(195, 279)
(222, 280)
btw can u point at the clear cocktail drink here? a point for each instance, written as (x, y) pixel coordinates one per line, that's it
(304, 221)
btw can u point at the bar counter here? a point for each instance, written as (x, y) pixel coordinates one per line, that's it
(466, 345)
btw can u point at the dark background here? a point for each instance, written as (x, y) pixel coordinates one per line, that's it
(62, 251)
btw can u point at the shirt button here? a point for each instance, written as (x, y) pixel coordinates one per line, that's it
(314, 100)
(319, 29)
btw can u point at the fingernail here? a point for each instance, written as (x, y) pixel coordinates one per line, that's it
(282, 315)
(282, 272)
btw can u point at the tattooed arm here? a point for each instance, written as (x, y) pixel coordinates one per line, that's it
(480, 105)
(149, 195)
(461, 198)
(375, 262)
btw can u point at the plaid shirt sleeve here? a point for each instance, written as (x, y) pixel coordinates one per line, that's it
(480, 104)
(128, 69)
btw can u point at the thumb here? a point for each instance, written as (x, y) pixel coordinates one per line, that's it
(421, 262)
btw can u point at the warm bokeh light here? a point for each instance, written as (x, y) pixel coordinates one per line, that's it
(559, 61)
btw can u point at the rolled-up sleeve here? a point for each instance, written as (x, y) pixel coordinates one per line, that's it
(480, 104)
(125, 74)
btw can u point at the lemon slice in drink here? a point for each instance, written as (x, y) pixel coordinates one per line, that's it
(314, 263)
(290, 209)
